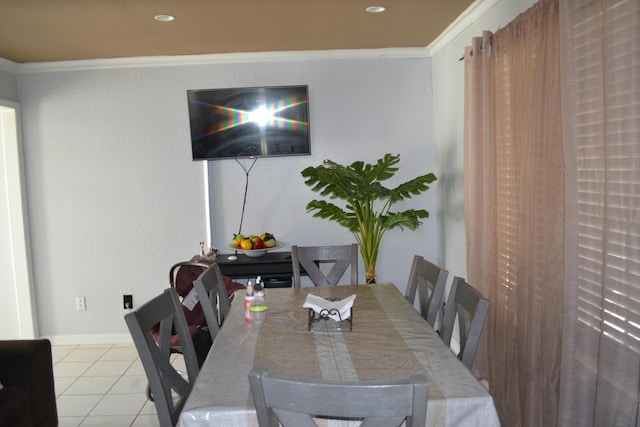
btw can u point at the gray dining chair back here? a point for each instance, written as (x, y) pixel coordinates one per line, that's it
(314, 258)
(294, 402)
(469, 308)
(212, 294)
(168, 387)
(428, 281)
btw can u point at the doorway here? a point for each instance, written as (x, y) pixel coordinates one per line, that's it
(16, 280)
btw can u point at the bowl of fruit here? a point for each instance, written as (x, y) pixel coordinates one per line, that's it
(254, 245)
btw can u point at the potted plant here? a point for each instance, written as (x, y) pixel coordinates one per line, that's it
(367, 202)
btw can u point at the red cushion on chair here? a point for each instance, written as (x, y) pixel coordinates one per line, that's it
(185, 277)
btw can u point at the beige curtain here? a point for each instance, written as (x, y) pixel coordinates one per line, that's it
(552, 210)
(600, 61)
(479, 169)
(514, 192)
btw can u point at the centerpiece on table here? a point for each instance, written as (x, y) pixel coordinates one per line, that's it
(366, 208)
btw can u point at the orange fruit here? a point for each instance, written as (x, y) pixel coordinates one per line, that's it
(237, 238)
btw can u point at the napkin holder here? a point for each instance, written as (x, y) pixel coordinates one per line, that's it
(321, 322)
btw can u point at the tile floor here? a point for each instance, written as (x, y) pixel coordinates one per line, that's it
(102, 385)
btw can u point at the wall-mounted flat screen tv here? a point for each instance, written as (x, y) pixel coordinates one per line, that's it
(249, 122)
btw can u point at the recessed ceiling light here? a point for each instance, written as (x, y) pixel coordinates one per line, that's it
(376, 9)
(164, 18)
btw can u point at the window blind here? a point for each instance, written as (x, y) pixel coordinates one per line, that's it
(607, 126)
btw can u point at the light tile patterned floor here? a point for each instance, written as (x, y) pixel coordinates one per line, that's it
(102, 385)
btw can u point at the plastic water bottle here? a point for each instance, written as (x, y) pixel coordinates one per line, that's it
(258, 289)
(258, 310)
(248, 299)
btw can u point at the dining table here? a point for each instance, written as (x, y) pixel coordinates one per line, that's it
(385, 338)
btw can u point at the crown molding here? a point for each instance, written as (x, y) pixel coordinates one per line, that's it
(474, 12)
(165, 61)
(6, 65)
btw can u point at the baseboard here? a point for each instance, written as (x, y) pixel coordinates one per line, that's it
(84, 339)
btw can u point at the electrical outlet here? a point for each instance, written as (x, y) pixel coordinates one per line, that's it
(127, 302)
(81, 303)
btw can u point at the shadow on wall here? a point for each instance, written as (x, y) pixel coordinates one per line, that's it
(450, 193)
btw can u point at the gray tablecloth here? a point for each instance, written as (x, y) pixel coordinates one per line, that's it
(389, 340)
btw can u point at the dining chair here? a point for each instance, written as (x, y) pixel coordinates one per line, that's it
(212, 294)
(203, 320)
(294, 401)
(182, 277)
(314, 258)
(469, 308)
(428, 281)
(168, 386)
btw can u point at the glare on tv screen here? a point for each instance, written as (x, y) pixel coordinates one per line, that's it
(249, 122)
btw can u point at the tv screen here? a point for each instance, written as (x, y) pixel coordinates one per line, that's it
(249, 122)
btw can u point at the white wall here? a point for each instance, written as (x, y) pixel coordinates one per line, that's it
(448, 98)
(115, 199)
(8, 84)
(360, 110)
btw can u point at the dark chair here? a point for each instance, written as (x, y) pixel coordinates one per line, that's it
(27, 396)
(294, 402)
(168, 386)
(312, 259)
(470, 309)
(428, 281)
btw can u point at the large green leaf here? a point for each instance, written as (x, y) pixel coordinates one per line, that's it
(409, 219)
(367, 202)
(326, 210)
(411, 188)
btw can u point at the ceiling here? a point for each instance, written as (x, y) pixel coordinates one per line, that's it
(62, 30)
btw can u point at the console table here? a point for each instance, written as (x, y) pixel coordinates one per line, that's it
(272, 265)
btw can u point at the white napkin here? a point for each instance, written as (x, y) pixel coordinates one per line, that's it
(319, 304)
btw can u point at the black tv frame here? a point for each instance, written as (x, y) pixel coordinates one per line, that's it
(224, 123)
